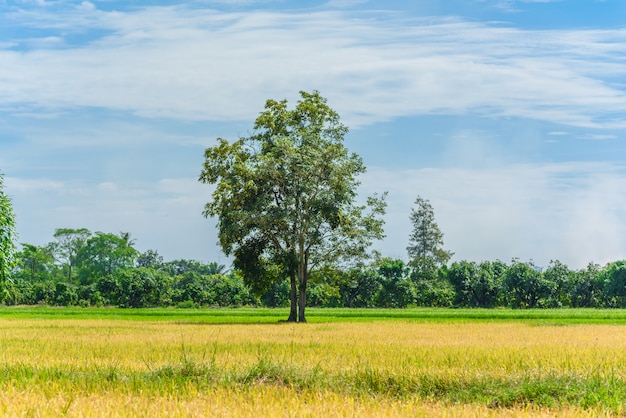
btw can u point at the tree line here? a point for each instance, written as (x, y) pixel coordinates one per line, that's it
(81, 268)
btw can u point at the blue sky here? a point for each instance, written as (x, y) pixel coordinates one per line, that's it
(508, 115)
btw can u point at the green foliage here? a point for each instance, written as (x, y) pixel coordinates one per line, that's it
(65, 294)
(7, 240)
(426, 240)
(150, 259)
(324, 295)
(104, 263)
(396, 289)
(182, 267)
(475, 285)
(258, 273)
(613, 279)
(360, 287)
(68, 242)
(586, 288)
(211, 290)
(286, 195)
(434, 292)
(230, 290)
(277, 295)
(194, 287)
(562, 279)
(36, 263)
(43, 293)
(103, 254)
(138, 287)
(526, 287)
(90, 296)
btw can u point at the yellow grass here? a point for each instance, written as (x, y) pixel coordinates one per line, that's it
(96, 367)
(261, 402)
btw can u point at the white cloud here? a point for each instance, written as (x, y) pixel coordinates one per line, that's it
(178, 62)
(165, 216)
(600, 137)
(18, 185)
(571, 212)
(511, 5)
(87, 6)
(344, 3)
(107, 186)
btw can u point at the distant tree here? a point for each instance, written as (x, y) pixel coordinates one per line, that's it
(150, 258)
(8, 236)
(182, 266)
(230, 290)
(563, 280)
(68, 242)
(215, 268)
(43, 292)
(358, 286)
(526, 286)
(139, 287)
(587, 287)
(35, 261)
(325, 295)
(425, 248)
(211, 290)
(65, 294)
(613, 279)
(126, 237)
(104, 254)
(286, 195)
(475, 285)
(276, 295)
(194, 287)
(433, 288)
(397, 290)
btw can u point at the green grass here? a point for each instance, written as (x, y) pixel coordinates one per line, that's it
(319, 315)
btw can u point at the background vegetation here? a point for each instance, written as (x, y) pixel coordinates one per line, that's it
(81, 268)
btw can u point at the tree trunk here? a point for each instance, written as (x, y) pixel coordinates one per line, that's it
(302, 301)
(293, 297)
(302, 281)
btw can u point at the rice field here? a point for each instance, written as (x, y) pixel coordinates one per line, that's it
(91, 362)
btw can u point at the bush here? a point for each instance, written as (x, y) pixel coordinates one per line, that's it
(137, 287)
(277, 296)
(65, 294)
(613, 279)
(188, 304)
(324, 295)
(360, 288)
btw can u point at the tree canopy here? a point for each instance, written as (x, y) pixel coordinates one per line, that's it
(7, 237)
(286, 195)
(426, 240)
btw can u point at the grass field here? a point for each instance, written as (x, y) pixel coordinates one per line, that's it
(242, 362)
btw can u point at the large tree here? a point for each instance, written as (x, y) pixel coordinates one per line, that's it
(7, 238)
(286, 195)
